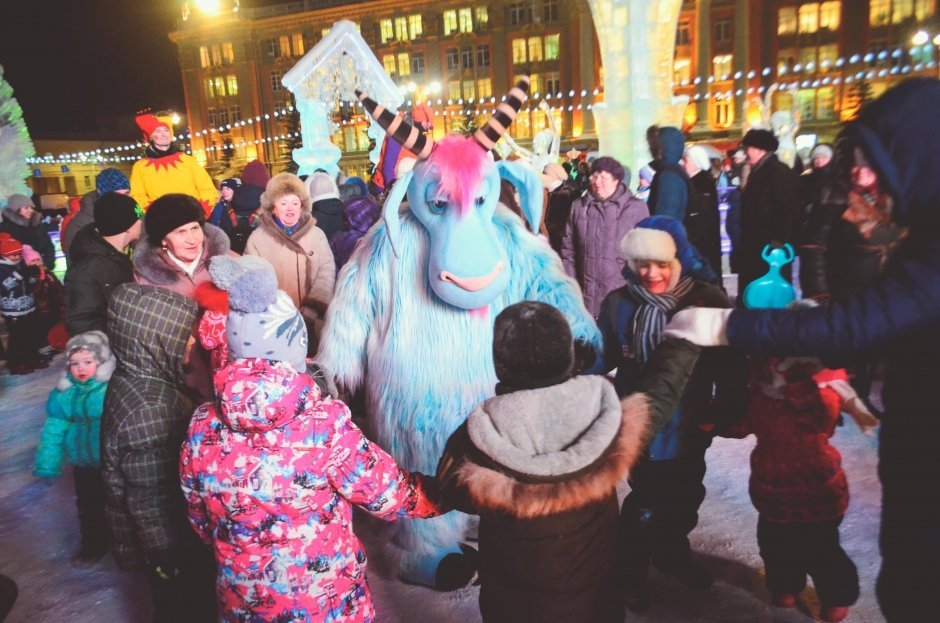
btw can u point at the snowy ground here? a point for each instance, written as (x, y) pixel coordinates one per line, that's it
(39, 532)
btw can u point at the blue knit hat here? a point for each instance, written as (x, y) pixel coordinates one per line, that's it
(262, 320)
(110, 180)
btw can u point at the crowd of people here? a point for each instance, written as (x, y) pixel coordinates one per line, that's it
(195, 325)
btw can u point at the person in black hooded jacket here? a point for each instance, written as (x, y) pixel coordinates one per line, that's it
(899, 311)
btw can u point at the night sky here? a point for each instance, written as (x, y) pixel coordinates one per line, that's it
(89, 65)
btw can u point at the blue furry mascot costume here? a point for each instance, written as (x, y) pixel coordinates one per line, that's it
(412, 318)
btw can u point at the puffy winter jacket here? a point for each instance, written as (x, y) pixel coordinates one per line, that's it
(590, 250)
(31, 232)
(270, 475)
(73, 427)
(96, 268)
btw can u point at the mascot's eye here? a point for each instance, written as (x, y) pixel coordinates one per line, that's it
(480, 201)
(438, 206)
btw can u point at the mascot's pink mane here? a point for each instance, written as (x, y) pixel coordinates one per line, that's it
(460, 164)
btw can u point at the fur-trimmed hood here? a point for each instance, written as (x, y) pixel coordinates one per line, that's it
(17, 219)
(149, 262)
(97, 343)
(540, 452)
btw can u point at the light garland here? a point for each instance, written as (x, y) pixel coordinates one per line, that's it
(99, 155)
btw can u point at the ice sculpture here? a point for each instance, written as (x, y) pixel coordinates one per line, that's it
(637, 42)
(330, 72)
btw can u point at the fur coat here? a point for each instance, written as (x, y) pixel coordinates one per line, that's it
(153, 267)
(541, 468)
(303, 262)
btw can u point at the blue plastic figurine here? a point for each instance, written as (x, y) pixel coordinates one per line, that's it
(771, 291)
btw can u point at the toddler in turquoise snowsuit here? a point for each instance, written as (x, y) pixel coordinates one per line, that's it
(73, 432)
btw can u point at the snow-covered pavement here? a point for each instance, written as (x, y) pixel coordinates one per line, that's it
(39, 532)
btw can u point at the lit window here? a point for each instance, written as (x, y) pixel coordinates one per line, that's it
(879, 12)
(552, 82)
(326, 31)
(806, 103)
(284, 44)
(297, 43)
(522, 126)
(417, 63)
(721, 65)
(235, 113)
(484, 88)
(825, 103)
(683, 33)
(681, 70)
(828, 55)
(388, 61)
(550, 10)
(450, 22)
(203, 56)
(404, 64)
(469, 90)
(465, 17)
(453, 90)
(786, 21)
(401, 28)
(466, 58)
(829, 15)
(219, 85)
(722, 111)
(232, 85)
(216, 55)
(551, 47)
(386, 30)
(415, 28)
(535, 48)
(483, 56)
(901, 10)
(228, 53)
(723, 30)
(210, 88)
(809, 17)
(276, 81)
(923, 9)
(535, 83)
(807, 56)
(453, 60)
(518, 51)
(223, 117)
(483, 17)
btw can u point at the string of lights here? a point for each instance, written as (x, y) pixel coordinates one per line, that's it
(787, 79)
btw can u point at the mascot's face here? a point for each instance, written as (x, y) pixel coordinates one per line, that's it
(467, 265)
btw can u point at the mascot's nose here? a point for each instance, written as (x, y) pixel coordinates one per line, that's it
(473, 284)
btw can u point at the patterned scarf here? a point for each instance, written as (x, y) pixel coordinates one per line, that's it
(646, 330)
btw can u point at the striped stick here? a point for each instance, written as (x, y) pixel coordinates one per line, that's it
(410, 137)
(503, 117)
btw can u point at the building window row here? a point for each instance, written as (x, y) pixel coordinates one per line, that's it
(534, 49)
(220, 117)
(285, 46)
(809, 18)
(470, 89)
(401, 28)
(404, 64)
(884, 12)
(463, 58)
(216, 55)
(464, 20)
(524, 12)
(219, 86)
(548, 82)
(823, 57)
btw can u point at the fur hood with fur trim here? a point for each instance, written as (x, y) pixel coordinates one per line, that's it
(535, 453)
(152, 268)
(285, 184)
(97, 343)
(16, 218)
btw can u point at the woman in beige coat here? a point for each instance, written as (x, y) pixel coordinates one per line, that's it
(288, 237)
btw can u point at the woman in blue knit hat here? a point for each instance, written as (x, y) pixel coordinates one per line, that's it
(664, 274)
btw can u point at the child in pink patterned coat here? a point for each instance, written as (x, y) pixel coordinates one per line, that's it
(272, 470)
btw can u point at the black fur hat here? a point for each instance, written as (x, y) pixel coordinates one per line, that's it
(532, 346)
(761, 139)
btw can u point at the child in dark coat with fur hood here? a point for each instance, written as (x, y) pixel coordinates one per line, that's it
(540, 463)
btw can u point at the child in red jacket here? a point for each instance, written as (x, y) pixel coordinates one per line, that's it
(797, 482)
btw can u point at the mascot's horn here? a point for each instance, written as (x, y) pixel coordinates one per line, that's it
(503, 117)
(410, 137)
